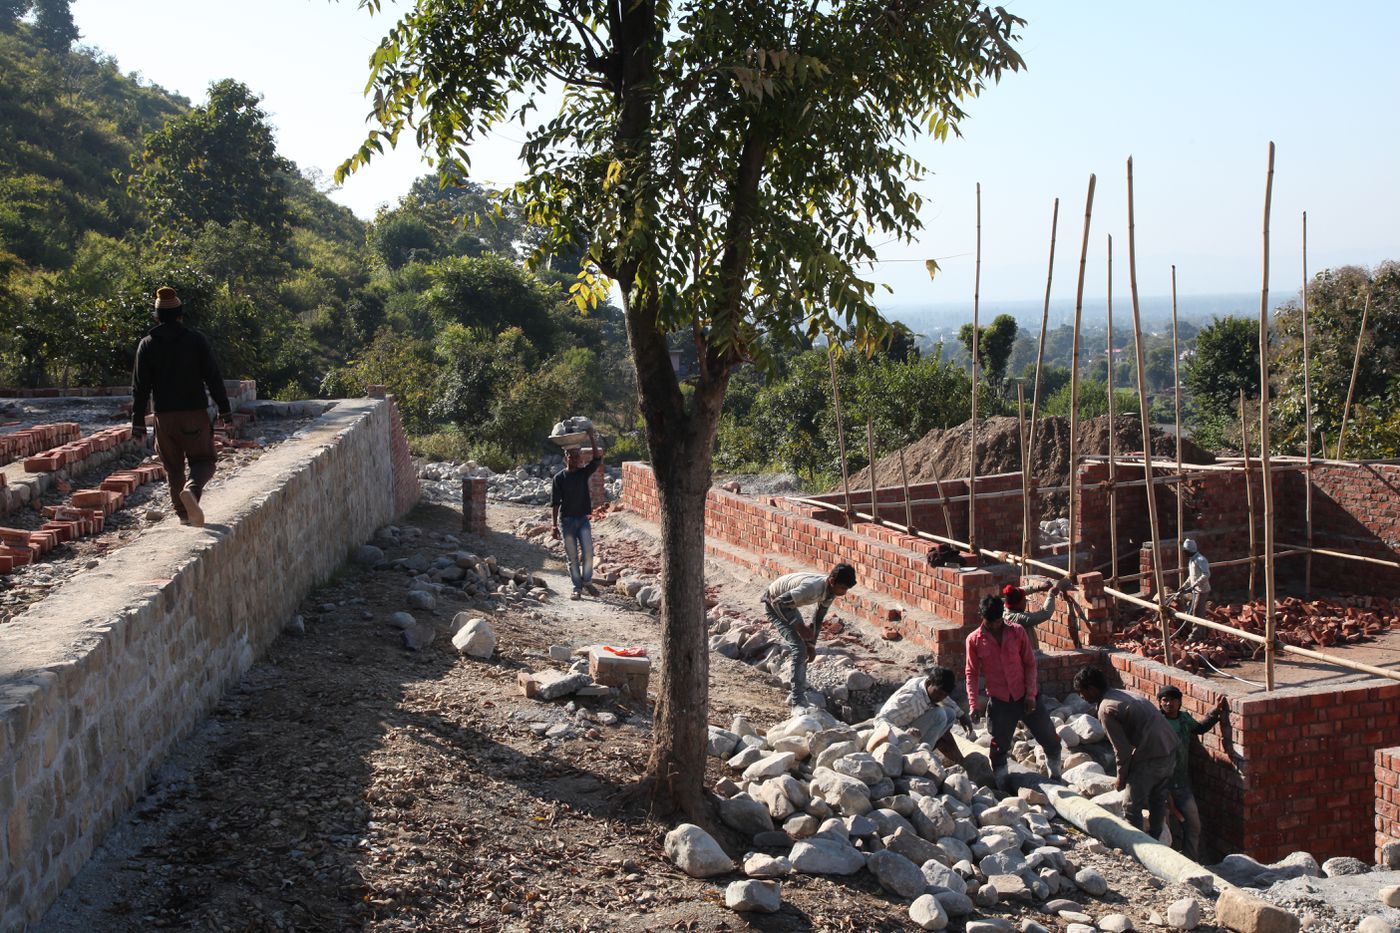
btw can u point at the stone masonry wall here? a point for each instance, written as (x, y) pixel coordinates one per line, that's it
(101, 678)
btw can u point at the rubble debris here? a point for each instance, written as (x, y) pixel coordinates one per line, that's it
(696, 852)
(763, 897)
(474, 637)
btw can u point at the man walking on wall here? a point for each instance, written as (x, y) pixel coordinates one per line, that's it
(175, 367)
(1001, 654)
(782, 601)
(572, 503)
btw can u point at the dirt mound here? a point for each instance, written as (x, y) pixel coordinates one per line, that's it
(944, 454)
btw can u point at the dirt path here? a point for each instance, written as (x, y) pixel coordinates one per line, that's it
(349, 784)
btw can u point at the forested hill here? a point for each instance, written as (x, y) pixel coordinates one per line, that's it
(110, 186)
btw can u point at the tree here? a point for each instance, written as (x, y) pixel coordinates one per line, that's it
(216, 163)
(488, 294)
(400, 237)
(53, 24)
(993, 348)
(729, 166)
(11, 11)
(1226, 361)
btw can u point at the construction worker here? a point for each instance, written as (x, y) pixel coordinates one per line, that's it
(1197, 576)
(782, 602)
(571, 504)
(1179, 789)
(1001, 655)
(1144, 744)
(924, 704)
(1018, 612)
(176, 375)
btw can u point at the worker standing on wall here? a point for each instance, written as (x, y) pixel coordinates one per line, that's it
(782, 602)
(1001, 654)
(174, 367)
(1179, 788)
(571, 504)
(1144, 744)
(1018, 611)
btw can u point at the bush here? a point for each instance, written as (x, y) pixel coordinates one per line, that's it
(630, 446)
(441, 445)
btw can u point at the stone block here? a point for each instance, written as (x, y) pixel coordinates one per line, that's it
(630, 674)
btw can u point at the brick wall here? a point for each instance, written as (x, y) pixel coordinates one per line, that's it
(474, 505)
(99, 679)
(1356, 509)
(1387, 798)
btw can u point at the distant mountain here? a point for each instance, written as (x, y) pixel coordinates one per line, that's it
(945, 318)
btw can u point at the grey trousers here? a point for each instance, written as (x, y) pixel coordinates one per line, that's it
(786, 622)
(1148, 787)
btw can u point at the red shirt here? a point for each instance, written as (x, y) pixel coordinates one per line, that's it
(1008, 664)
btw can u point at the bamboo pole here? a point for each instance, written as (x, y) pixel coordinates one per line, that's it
(1355, 369)
(840, 429)
(1248, 490)
(1163, 611)
(1074, 383)
(870, 444)
(1112, 442)
(1217, 564)
(904, 478)
(1307, 422)
(1180, 489)
(976, 349)
(1343, 555)
(943, 501)
(1044, 322)
(1025, 472)
(1266, 475)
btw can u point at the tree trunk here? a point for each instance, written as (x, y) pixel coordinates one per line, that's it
(676, 769)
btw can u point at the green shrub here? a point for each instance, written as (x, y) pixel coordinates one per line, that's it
(450, 444)
(630, 446)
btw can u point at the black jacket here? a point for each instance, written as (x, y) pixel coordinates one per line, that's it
(174, 364)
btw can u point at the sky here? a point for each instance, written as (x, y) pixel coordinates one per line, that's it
(1194, 91)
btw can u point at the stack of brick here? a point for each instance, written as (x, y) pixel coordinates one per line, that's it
(85, 514)
(30, 441)
(474, 505)
(75, 451)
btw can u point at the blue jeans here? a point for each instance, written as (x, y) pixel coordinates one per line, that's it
(578, 548)
(786, 621)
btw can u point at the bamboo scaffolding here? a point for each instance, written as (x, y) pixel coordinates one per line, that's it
(1266, 475)
(1074, 382)
(1025, 472)
(942, 501)
(1112, 443)
(976, 349)
(1307, 421)
(1044, 322)
(1217, 564)
(1159, 584)
(1180, 493)
(904, 479)
(840, 429)
(1355, 369)
(1010, 493)
(870, 445)
(1248, 490)
(1052, 570)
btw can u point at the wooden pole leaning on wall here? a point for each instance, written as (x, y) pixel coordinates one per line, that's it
(1025, 472)
(1044, 322)
(1248, 492)
(840, 429)
(1112, 442)
(1307, 425)
(1163, 612)
(874, 487)
(976, 349)
(904, 479)
(1180, 487)
(1264, 443)
(1355, 368)
(1074, 384)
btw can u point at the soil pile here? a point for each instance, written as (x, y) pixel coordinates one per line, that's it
(944, 454)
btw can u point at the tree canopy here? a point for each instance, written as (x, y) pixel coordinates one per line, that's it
(1226, 361)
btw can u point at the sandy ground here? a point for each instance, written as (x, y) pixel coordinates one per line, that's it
(349, 784)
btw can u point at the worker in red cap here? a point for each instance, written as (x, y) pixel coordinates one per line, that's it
(1018, 611)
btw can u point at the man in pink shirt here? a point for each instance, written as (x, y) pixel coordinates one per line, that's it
(1001, 654)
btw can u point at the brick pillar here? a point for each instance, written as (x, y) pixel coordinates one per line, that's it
(474, 505)
(597, 492)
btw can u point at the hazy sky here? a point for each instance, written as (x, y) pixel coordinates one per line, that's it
(1194, 91)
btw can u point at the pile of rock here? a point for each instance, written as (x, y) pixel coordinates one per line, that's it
(441, 565)
(821, 797)
(528, 484)
(1088, 761)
